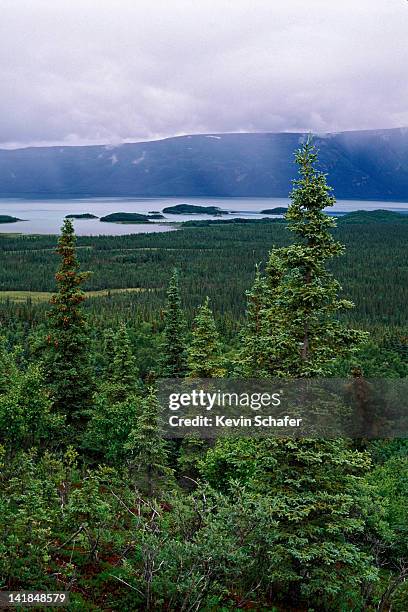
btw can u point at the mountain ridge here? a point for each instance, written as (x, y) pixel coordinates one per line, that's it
(366, 165)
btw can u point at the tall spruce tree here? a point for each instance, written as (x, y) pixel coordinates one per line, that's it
(67, 358)
(174, 356)
(314, 486)
(293, 328)
(205, 352)
(307, 298)
(125, 373)
(146, 448)
(250, 356)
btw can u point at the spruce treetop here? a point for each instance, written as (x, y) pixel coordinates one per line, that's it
(293, 326)
(67, 360)
(308, 292)
(205, 355)
(174, 360)
(124, 368)
(68, 277)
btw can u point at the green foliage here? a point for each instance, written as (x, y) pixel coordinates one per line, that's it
(256, 356)
(309, 293)
(174, 346)
(373, 216)
(117, 402)
(147, 451)
(293, 319)
(110, 426)
(376, 360)
(26, 417)
(124, 375)
(205, 358)
(293, 330)
(315, 496)
(202, 553)
(29, 506)
(108, 353)
(372, 271)
(8, 367)
(90, 513)
(263, 524)
(67, 359)
(387, 533)
(191, 452)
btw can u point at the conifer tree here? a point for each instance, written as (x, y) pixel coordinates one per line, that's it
(307, 298)
(67, 358)
(205, 353)
(174, 359)
(250, 356)
(7, 366)
(26, 417)
(117, 401)
(124, 378)
(147, 449)
(316, 501)
(292, 325)
(110, 424)
(293, 322)
(191, 452)
(108, 353)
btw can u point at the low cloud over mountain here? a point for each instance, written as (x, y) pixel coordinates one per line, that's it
(361, 165)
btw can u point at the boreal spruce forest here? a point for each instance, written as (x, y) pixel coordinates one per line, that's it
(94, 500)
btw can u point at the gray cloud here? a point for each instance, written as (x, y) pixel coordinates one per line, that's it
(83, 71)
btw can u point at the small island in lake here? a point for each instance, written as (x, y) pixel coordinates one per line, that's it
(193, 209)
(125, 217)
(155, 215)
(9, 219)
(82, 216)
(279, 210)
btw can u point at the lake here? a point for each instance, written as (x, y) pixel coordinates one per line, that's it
(45, 216)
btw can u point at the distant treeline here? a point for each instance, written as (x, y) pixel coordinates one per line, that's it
(373, 270)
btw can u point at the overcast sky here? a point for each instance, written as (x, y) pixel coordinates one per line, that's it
(96, 71)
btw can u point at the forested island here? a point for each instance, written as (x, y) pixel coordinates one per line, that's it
(8, 219)
(125, 217)
(128, 217)
(81, 216)
(279, 210)
(155, 215)
(95, 500)
(193, 209)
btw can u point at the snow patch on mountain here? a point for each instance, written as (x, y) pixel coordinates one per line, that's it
(140, 159)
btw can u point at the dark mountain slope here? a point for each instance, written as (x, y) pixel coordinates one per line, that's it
(361, 165)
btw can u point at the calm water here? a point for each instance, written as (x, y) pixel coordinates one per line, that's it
(46, 216)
